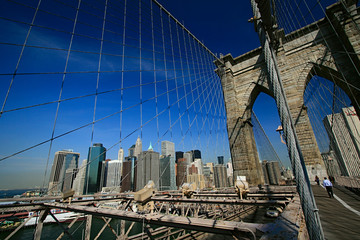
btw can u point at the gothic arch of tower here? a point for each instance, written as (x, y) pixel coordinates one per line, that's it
(329, 50)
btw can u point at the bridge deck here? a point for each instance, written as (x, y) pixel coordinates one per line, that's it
(337, 221)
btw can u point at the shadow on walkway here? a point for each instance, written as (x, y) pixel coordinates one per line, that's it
(337, 221)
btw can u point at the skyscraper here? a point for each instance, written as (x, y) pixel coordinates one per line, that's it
(230, 173)
(196, 154)
(79, 180)
(181, 175)
(272, 174)
(63, 160)
(189, 157)
(121, 157)
(220, 159)
(168, 150)
(128, 174)
(165, 173)
(113, 175)
(344, 132)
(147, 168)
(138, 147)
(178, 155)
(220, 176)
(97, 154)
(132, 150)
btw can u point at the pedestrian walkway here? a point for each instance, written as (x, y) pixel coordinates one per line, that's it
(338, 221)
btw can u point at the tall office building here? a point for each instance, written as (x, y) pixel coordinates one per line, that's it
(165, 173)
(147, 168)
(138, 147)
(121, 157)
(103, 175)
(220, 176)
(181, 172)
(211, 166)
(178, 155)
(70, 175)
(344, 132)
(208, 176)
(168, 150)
(199, 165)
(220, 159)
(331, 163)
(230, 173)
(272, 174)
(79, 181)
(132, 151)
(128, 175)
(97, 154)
(113, 176)
(189, 157)
(63, 160)
(196, 154)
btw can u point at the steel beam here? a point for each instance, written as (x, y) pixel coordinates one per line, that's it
(197, 224)
(220, 201)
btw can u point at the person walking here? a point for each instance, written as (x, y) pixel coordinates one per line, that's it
(317, 180)
(328, 185)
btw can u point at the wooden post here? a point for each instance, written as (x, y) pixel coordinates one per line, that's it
(39, 225)
(18, 228)
(122, 227)
(88, 227)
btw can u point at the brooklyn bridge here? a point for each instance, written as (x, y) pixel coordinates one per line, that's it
(173, 138)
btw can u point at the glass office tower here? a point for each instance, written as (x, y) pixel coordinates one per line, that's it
(97, 154)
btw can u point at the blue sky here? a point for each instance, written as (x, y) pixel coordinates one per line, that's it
(193, 99)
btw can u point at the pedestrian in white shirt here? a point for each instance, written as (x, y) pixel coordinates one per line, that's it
(328, 185)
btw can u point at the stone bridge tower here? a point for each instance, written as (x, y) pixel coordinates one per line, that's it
(328, 48)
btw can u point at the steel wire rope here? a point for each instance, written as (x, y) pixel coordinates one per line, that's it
(342, 44)
(80, 35)
(331, 73)
(60, 94)
(207, 112)
(64, 17)
(182, 72)
(155, 77)
(99, 71)
(175, 74)
(181, 117)
(333, 122)
(197, 113)
(134, 131)
(195, 74)
(317, 124)
(183, 27)
(217, 98)
(83, 126)
(112, 15)
(96, 95)
(201, 54)
(198, 67)
(190, 78)
(165, 65)
(82, 96)
(335, 85)
(140, 73)
(158, 139)
(122, 83)
(323, 111)
(20, 57)
(270, 146)
(305, 22)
